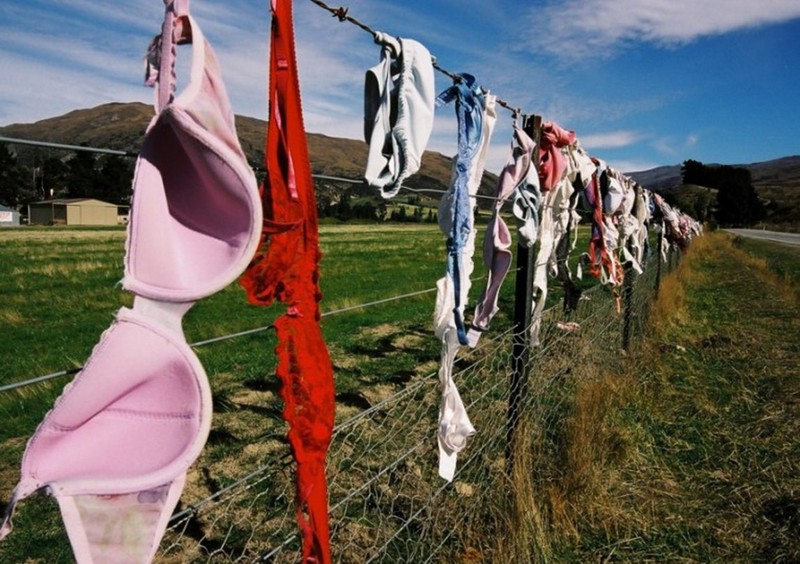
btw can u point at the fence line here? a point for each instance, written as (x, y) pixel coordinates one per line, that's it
(340, 179)
(386, 500)
(336, 431)
(221, 338)
(387, 503)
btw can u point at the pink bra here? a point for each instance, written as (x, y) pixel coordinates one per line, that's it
(115, 448)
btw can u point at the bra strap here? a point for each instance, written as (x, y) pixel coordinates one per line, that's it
(160, 59)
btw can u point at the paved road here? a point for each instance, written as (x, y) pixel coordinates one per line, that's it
(777, 236)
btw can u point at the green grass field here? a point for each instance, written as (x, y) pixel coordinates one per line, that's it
(683, 450)
(61, 289)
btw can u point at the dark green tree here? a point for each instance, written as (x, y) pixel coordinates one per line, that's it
(113, 181)
(382, 212)
(11, 179)
(52, 178)
(82, 176)
(695, 172)
(737, 201)
(343, 209)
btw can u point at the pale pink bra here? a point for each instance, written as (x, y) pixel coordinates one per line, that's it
(115, 448)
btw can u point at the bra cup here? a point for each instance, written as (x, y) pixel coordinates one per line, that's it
(193, 228)
(196, 213)
(129, 420)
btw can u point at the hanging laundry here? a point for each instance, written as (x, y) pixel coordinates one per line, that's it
(286, 269)
(398, 112)
(579, 171)
(678, 227)
(633, 231)
(115, 448)
(551, 160)
(559, 220)
(456, 207)
(580, 167)
(476, 115)
(497, 240)
(601, 260)
(527, 201)
(555, 216)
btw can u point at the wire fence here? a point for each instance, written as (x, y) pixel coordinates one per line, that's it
(386, 500)
(387, 503)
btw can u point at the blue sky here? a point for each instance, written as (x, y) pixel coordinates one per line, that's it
(643, 82)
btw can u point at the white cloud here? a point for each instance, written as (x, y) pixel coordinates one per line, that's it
(581, 28)
(610, 140)
(29, 97)
(628, 166)
(673, 146)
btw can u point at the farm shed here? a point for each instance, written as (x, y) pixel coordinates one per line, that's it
(76, 211)
(8, 216)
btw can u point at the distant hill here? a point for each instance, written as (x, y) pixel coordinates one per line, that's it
(659, 178)
(783, 172)
(121, 126)
(777, 183)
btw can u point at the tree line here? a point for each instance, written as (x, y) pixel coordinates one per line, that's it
(344, 209)
(737, 202)
(108, 178)
(81, 175)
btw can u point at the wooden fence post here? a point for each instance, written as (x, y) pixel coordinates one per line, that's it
(523, 311)
(659, 258)
(627, 294)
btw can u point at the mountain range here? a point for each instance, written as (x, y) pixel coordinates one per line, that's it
(777, 183)
(121, 126)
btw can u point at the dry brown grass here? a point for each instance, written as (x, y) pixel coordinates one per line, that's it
(681, 451)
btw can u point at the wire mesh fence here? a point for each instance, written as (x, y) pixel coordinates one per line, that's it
(387, 502)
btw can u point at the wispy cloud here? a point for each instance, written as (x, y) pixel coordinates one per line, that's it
(611, 139)
(598, 28)
(673, 146)
(31, 97)
(628, 166)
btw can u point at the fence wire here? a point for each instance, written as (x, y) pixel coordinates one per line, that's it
(387, 503)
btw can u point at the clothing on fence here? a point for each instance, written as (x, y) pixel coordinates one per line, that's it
(286, 269)
(476, 115)
(678, 227)
(497, 253)
(399, 94)
(602, 260)
(558, 220)
(552, 161)
(456, 206)
(633, 228)
(115, 448)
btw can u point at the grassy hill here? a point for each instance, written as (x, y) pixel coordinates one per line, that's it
(121, 126)
(777, 183)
